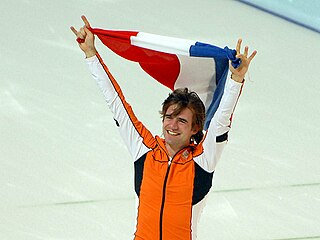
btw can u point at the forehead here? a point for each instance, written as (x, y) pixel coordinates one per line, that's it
(185, 112)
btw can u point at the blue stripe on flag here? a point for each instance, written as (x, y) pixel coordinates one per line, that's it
(222, 57)
(217, 95)
(207, 50)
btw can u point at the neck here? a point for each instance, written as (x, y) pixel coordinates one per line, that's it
(173, 150)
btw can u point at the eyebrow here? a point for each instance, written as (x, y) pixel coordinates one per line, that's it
(179, 118)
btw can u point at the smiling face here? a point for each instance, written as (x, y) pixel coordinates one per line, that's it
(177, 129)
(183, 115)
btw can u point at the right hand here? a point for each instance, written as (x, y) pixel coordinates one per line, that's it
(87, 46)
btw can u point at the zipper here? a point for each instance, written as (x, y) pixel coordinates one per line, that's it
(163, 199)
(164, 190)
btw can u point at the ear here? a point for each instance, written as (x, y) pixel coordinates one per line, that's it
(195, 129)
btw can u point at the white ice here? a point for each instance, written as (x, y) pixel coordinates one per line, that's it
(64, 171)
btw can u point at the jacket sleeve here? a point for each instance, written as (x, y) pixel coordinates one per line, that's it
(216, 136)
(136, 136)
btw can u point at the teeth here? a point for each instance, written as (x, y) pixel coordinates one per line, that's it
(172, 133)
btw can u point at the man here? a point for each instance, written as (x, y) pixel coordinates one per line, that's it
(173, 175)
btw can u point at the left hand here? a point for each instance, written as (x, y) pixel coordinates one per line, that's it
(239, 73)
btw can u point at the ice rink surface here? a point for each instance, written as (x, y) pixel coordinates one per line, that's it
(65, 173)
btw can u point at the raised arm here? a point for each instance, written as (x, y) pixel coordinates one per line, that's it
(216, 136)
(136, 137)
(232, 91)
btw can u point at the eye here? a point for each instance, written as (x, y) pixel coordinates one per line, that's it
(182, 120)
(168, 116)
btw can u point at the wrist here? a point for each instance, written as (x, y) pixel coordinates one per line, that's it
(90, 53)
(237, 78)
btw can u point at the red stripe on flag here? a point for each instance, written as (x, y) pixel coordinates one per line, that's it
(163, 67)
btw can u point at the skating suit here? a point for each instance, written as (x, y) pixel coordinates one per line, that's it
(171, 191)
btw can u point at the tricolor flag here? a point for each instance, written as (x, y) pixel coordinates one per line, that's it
(176, 62)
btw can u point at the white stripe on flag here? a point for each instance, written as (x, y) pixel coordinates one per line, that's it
(162, 43)
(198, 74)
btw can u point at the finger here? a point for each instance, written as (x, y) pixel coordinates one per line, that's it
(238, 45)
(74, 30)
(80, 38)
(246, 51)
(85, 20)
(83, 32)
(252, 55)
(241, 56)
(78, 34)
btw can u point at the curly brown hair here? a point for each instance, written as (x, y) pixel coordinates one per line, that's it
(184, 98)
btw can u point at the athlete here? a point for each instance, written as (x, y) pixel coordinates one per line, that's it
(173, 174)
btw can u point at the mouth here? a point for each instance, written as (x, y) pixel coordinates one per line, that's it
(172, 133)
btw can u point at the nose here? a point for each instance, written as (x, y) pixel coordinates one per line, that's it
(174, 124)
